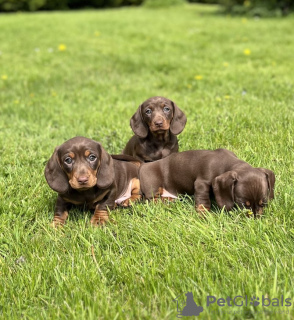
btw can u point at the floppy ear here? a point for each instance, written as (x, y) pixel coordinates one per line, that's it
(179, 120)
(54, 174)
(270, 176)
(138, 125)
(105, 173)
(223, 189)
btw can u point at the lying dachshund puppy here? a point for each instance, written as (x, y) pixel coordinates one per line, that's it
(82, 172)
(199, 172)
(156, 123)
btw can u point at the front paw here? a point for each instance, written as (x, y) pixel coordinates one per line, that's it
(59, 219)
(56, 224)
(201, 209)
(100, 218)
(128, 202)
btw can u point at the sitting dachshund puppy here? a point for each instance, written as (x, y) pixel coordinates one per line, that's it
(202, 172)
(83, 173)
(156, 123)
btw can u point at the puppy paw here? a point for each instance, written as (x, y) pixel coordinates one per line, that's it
(58, 221)
(56, 224)
(167, 199)
(201, 209)
(100, 218)
(130, 201)
(98, 222)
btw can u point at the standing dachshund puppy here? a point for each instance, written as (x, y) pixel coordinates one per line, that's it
(201, 172)
(83, 173)
(156, 123)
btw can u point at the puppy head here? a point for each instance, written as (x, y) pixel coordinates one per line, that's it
(158, 115)
(79, 163)
(249, 189)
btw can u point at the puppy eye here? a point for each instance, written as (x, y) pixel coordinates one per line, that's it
(92, 157)
(166, 109)
(148, 112)
(68, 160)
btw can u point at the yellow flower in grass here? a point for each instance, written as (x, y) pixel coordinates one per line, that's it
(198, 77)
(227, 97)
(225, 64)
(97, 33)
(247, 52)
(4, 77)
(244, 20)
(218, 99)
(62, 47)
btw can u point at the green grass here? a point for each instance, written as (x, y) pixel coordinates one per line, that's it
(114, 60)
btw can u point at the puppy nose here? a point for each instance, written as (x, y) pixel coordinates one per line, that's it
(82, 180)
(158, 123)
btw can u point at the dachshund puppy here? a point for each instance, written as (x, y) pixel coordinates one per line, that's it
(156, 123)
(83, 173)
(202, 172)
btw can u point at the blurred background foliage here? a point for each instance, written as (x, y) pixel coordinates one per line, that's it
(235, 7)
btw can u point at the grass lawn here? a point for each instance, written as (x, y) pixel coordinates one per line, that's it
(64, 74)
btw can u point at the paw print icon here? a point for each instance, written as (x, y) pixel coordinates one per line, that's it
(254, 301)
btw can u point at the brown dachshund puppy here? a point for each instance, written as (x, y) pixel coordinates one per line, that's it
(83, 173)
(201, 172)
(156, 123)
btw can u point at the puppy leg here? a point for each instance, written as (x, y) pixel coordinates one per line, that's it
(135, 193)
(61, 213)
(166, 196)
(201, 194)
(100, 217)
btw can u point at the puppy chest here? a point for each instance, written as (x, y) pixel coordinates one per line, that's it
(88, 199)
